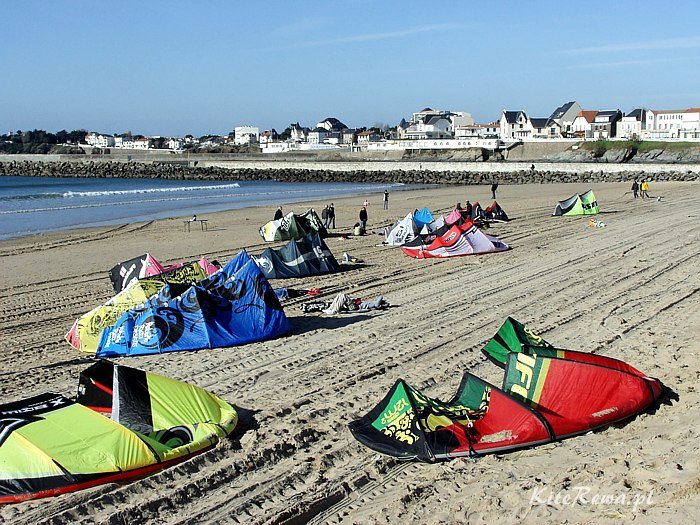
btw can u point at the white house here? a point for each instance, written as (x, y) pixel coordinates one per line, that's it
(430, 127)
(125, 142)
(365, 137)
(332, 124)
(318, 135)
(99, 140)
(632, 124)
(298, 133)
(515, 125)
(245, 134)
(175, 144)
(581, 126)
(477, 131)
(673, 123)
(143, 143)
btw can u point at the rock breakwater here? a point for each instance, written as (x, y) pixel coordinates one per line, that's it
(295, 174)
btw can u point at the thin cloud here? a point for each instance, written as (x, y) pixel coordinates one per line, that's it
(622, 63)
(378, 36)
(647, 45)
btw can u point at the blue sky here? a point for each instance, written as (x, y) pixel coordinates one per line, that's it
(176, 67)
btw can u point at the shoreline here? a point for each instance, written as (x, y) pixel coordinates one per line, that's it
(614, 290)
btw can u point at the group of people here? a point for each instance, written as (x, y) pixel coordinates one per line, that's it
(328, 213)
(328, 216)
(640, 189)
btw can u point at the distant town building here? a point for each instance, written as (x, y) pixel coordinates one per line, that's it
(365, 137)
(246, 135)
(673, 123)
(318, 135)
(332, 124)
(298, 133)
(143, 143)
(175, 144)
(604, 125)
(631, 125)
(461, 118)
(565, 115)
(484, 131)
(581, 127)
(545, 128)
(515, 125)
(269, 135)
(99, 140)
(124, 142)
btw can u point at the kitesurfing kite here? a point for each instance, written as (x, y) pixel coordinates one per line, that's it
(456, 240)
(299, 258)
(126, 423)
(547, 395)
(584, 204)
(293, 226)
(124, 273)
(232, 307)
(86, 331)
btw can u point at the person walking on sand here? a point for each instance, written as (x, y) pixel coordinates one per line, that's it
(494, 187)
(386, 199)
(278, 214)
(645, 189)
(635, 188)
(324, 216)
(363, 218)
(331, 215)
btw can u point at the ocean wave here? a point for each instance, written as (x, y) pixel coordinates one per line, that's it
(69, 194)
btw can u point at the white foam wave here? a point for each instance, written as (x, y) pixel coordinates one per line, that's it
(148, 190)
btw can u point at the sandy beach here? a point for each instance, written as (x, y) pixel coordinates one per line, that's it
(629, 290)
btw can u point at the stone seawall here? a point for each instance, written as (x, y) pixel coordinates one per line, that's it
(373, 172)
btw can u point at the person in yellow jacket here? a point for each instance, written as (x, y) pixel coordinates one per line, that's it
(644, 188)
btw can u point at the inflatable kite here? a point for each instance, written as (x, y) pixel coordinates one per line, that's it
(547, 395)
(299, 258)
(584, 204)
(232, 307)
(125, 273)
(459, 239)
(293, 226)
(125, 424)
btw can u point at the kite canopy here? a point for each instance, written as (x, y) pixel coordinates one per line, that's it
(307, 256)
(232, 307)
(543, 399)
(584, 204)
(495, 213)
(459, 239)
(293, 226)
(403, 231)
(455, 217)
(50, 445)
(547, 394)
(85, 333)
(422, 217)
(125, 273)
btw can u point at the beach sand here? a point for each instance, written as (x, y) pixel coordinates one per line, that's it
(629, 290)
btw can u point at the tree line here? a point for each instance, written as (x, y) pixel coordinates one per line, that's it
(40, 141)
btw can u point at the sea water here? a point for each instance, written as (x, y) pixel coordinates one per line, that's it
(30, 205)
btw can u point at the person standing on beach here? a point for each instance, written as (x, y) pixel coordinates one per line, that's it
(324, 216)
(331, 216)
(363, 218)
(635, 188)
(468, 209)
(494, 187)
(386, 199)
(645, 189)
(278, 214)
